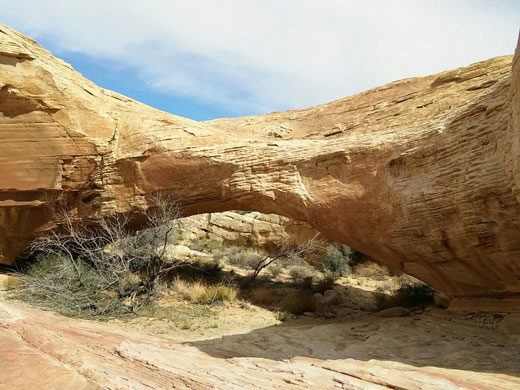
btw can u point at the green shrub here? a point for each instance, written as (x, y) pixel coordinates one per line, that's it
(336, 260)
(299, 302)
(282, 315)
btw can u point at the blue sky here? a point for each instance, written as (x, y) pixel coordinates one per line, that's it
(205, 59)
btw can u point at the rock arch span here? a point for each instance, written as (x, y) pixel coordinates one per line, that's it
(422, 174)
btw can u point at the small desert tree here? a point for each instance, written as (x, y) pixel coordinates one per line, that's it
(93, 267)
(287, 250)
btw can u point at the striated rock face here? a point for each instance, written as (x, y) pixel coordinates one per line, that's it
(263, 232)
(41, 350)
(422, 174)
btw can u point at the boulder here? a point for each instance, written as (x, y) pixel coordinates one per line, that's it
(331, 298)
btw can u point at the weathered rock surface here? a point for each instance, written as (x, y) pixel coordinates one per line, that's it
(263, 232)
(422, 174)
(41, 350)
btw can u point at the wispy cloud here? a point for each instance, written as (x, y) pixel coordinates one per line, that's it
(264, 55)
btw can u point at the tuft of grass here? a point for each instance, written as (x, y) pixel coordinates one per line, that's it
(180, 286)
(262, 295)
(200, 293)
(12, 282)
(299, 302)
(282, 315)
(195, 290)
(409, 295)
(218, 293)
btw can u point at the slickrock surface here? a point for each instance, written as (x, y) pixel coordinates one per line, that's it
(422, 174)
(40, 350)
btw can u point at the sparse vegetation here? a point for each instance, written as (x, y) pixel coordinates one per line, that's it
(12, 282)
(409, 294)
(299, 273)
(262, 295)
(326, 282)
(282, 315)
(337, 260)
(217, 293)
(102, 268)
(299, 301)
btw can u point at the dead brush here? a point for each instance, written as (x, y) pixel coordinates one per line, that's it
(262, 295)
(299, 302)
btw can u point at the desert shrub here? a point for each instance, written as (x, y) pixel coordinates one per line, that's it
(12, 282)
(262, 295)
(217, 293)
(299, 302)
(299, 273)
(245, 258)
(101, 268)
(180, 287)
(204, 244)
(282, 315)
(416, 294)
(326, 282)
(73, 289)
(274, 270)
(195, 290)
(336, 260)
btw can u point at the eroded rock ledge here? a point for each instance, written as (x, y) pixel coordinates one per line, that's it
(422, 174)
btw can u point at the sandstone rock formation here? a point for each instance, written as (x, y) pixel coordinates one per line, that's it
(422, 174)
(263, 232)
(41, 350)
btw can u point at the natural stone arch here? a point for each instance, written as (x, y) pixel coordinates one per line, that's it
(420, 174)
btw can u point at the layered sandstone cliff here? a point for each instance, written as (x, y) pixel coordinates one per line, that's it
(422, 174)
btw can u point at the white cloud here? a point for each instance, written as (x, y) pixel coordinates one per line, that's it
(269, 55)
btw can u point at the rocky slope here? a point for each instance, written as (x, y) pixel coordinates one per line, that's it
(422, 174)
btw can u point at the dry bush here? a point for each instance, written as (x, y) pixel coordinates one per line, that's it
(372, 270)
(218, 293)
(299, 302)
(274, 270)
(288, 250)
(299, 273)
(326, 282)
(195, 291)
(262, 295)
(79, 264)
(12, 282)
(409, 294)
